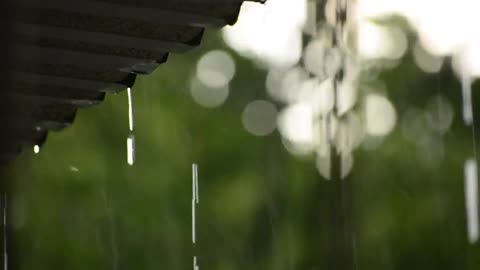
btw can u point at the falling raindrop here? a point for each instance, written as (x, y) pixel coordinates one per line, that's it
(130, 149)
(130, 109)
(195, 199)
(36, 149)
(471, 171)
(467, 101)
(195, 265)
(5, 243)
(131, 136)
(471, 199)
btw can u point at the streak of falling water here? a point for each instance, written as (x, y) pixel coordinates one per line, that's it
(195, 177)
(467, 101)
(131, 136)
(471, 172)
(195, 266)
(468, 117)
(130, 109)
(5, 243)
(195, 199)
(471, 199)
(113, 235)
(130, 149)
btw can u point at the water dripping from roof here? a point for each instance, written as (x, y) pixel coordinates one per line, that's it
(130, 149)
(130, 109)
(131, 136)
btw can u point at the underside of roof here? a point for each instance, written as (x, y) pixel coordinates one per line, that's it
(65, 55)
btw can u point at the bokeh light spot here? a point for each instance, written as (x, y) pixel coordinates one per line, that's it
(380, 115)
(259, 117)
(208, 97)
(295, 123)
(216, 69)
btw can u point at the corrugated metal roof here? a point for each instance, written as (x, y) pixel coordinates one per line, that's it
(68, 54)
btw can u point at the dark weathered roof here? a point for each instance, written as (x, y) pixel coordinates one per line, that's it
(68, 54)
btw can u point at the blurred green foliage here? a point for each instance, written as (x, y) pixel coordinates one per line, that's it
(78, 205)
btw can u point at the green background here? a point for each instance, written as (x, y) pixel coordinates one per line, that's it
(260, 207)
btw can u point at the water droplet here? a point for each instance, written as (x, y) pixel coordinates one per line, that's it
(130, 109)
(36, 149)
(195, 200)
(195, 265)
(471, 199)
(467, 101)
(130, 149)
(195, 182)
(131, 137)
